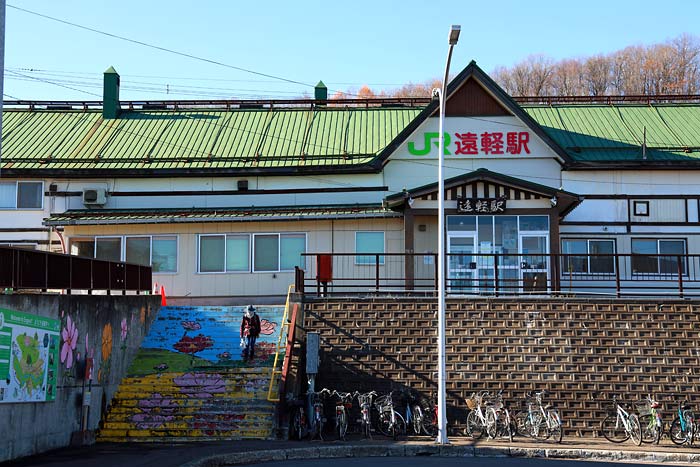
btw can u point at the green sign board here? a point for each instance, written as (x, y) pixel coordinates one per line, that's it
(29, 346)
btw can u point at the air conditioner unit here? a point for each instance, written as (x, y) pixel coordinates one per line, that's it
(94, 196)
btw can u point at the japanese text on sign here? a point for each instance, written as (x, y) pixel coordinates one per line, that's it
(481, 205)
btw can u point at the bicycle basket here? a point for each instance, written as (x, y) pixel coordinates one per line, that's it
(643, 408)
(471, 404)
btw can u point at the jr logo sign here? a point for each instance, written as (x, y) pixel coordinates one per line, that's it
(486, 143)
(428, 138)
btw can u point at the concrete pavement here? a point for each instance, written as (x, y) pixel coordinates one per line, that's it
(215, 454)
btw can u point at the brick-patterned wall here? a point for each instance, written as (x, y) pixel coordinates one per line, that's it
(582, 351)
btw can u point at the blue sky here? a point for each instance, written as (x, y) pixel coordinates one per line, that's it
(383, 44)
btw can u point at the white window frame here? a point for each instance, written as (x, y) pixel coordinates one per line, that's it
(306, 247)
(566, 272)
(199, 251)
(177, 253)
(16, 183)
(382, 258)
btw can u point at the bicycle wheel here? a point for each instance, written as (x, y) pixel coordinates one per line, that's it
(676, 432)
(319, 427)
(399, 427)
(491, 423)
(342, 425)
(430, 425)
(538, 426)
(297, 431)
(474, 428)
(367, 428)
(650, 432)
(384, 422)
(508, 426)
(613, 430)
(635, 430)
(417, 421)
(556, 431)
(521, 423)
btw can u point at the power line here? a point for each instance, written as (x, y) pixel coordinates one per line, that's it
(11, 97)
(162, 49)
(55, 84)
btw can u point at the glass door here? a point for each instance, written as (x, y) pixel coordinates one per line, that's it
(534, 262)
(461, 264)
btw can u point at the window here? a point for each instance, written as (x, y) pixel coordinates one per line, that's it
(21, 195)
(291, 248)
(232, 252)
(658, 256)
(369, 242)
(160, 252)
(266, 253)
(588, 262)
(641, 208)
(164, 253)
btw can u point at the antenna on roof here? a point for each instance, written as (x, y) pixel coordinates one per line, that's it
(644, 143)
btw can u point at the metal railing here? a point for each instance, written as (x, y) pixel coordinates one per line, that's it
(34, 269)
(501, 274)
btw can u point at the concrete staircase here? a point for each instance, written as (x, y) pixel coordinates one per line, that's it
(188, 381)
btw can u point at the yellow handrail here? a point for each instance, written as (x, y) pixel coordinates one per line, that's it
(281, 345)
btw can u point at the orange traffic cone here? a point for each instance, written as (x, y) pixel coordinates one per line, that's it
(162, 296)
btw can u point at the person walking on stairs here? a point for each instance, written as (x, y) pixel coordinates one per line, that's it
(250, 330)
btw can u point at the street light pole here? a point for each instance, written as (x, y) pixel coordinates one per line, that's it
(442, 415)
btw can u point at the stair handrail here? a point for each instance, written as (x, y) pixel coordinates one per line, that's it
(285, 324)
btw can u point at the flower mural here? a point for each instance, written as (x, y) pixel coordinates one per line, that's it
(155, 411)
(70, 341)
(192, 345)
(191, 325)
(214, 424)
(267, 327)
(201, 385)
(125, 329)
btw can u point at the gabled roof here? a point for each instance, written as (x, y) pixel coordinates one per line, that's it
(473, 72)
(566, 200)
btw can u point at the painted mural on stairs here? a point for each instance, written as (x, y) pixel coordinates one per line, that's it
(189, 379)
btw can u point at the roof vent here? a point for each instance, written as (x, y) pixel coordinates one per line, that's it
(94, 197)
(110, 104)
(242, 185)
(321, 92)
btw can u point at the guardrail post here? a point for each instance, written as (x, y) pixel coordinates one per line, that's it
(495, 274)
(680, 277)
(376, 272)
(617, 276)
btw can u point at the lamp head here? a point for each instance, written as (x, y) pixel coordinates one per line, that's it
(454, 34)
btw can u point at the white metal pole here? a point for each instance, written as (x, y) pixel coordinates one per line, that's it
(442, 377)
(2, 70)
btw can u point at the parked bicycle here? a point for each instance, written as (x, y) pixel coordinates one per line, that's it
(365, 402)
(620, 425)
(342, 406)
(421, 415)
(390, 422)
(297, 417)
(684, 428)
(488, 414)
(650, 420)
(317, 419)
(539, 421)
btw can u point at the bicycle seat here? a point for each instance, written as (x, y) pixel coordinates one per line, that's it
(548, 406)
(348, 405)
(685, 407)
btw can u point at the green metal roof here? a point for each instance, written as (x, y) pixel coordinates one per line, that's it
(247, 214)
(615, 133)
(199, 139)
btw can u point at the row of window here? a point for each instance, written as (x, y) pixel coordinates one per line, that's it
(21, 195)
(217, 253)
(665, 261)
